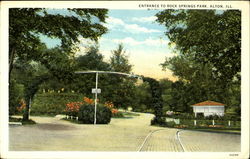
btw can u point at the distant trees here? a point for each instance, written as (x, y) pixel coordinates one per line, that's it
(142, 98)
(118, 89)
(122, 87)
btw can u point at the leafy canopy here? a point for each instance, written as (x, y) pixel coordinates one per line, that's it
(208, 35)
(26, 25)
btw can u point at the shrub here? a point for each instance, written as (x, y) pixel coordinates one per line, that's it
(158, 121)
(170, 124)
(200, 116)
(214, 117)
(186, 121)
(140, 108)
(86, 114)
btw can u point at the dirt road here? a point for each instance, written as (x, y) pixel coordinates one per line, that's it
(129, 134)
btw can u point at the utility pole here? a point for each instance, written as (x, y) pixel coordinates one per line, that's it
(96, 84)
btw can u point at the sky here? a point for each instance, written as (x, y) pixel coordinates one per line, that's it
(143, 39)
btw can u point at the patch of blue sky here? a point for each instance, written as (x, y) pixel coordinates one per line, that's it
(50, 42)
(128, 13)
(133, 28)
(135, 22)
(136, 29)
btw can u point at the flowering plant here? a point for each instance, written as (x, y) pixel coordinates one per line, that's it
(72, 108)
(22, 105)
(110, 105)
(114, 111)
(88, 100)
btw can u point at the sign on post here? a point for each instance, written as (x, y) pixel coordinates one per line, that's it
(98, 90)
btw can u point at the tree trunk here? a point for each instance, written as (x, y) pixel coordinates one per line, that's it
(11, 60)
(26, 111)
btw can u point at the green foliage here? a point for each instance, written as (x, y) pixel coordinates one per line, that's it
(165, 85)
(200, 116)
(86, 114)
(197, 83)
(209, 57)
(120, 89)
(117, 115)
(27, 25)
(24, 122)
(170, 124)
(201, 124)
(16, 94)
(158, 121)
(209, 36)
(92, 60)
(142, 98)
(182, 116)
(52, 103)
(119, 60)
(156, 99)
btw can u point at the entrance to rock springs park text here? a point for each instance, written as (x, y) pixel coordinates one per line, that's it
(124, 80)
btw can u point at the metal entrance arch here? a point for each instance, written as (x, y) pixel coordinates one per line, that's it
(96, 81)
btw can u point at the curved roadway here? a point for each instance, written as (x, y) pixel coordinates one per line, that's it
(129, 134)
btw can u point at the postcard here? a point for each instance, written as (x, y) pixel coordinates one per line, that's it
(124, 79)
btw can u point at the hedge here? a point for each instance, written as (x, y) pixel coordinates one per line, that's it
(53, 103)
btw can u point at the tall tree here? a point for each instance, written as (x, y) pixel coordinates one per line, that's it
(209, 47)
(122, 87)
(209, 35)
(27, 25)
(119, 60)
(31, 74)
(156, 99)
(165, 85)
(196, 83)
(91, 60)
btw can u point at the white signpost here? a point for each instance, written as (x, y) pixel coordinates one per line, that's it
(97, 90)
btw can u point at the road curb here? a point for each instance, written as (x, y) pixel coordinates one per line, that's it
(15, 123)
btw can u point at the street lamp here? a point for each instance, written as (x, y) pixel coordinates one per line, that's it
(96, 91)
